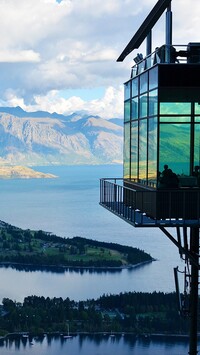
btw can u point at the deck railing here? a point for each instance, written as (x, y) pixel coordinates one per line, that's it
(144, 208)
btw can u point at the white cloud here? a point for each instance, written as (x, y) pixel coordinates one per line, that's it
(15, 56)
(48, 46)
(109, 106)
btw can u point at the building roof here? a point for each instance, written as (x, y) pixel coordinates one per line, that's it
(145, 28)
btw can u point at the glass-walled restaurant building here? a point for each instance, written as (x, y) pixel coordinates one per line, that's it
(161, 132)
(162, 124)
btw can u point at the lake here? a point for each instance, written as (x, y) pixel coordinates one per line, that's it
(95, 345)
(69, 206)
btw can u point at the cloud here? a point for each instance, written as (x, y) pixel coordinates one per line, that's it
(15, 56)
(109, 106)
(49, 46)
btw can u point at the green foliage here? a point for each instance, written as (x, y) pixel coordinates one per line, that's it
(135, 312)
(45, 249)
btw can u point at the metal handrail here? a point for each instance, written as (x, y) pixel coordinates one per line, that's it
(151, 207)
(154, 58)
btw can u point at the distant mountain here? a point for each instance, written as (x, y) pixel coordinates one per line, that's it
(41, 138)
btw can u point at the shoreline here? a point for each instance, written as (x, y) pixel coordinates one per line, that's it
(101, 333)
(65, 267)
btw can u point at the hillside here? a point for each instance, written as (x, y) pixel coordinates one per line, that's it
(40, 248)
(21, 172)
(41, 138)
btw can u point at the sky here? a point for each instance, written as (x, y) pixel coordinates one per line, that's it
(60, 56)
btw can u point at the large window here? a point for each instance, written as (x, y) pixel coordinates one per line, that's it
(143, 82)
(175, 108)
(127, 91)
(153, 78)
(196, 145)
(152, 149)
(134, 108)
(143, 149)
(134, 150)
(153, 103)
(127, 151)
(174, 148)
(127, 111)
(143, 105)
(135, 87)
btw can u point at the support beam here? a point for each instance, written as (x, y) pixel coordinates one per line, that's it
(194, 237)
(189, 254)
(145, 28)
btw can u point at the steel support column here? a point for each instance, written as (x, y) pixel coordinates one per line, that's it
(194, 249)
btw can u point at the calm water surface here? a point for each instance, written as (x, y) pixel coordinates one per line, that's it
(95, 345)
(69, 206)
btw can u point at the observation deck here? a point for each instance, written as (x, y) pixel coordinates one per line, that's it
(150, 207)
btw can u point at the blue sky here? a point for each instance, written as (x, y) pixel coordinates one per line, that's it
(60, 55)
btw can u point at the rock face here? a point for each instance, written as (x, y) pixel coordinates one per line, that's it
(41, 138)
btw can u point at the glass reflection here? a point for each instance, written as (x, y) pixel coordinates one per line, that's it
(135, 87)
(127, 111)
(143, 105)
(197, 108)
(134, 108)
(127, 90)
(196, 145)
(143, 82)
(134, 150)
(153, 103)
(175, 118)
(152, 149)
(175, 108)
(174, 147)
(127, 151)
(153, 78)
(142, 149)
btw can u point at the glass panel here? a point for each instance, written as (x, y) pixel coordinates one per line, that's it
(127, 111)
(127, 151)
(135, 87)
(143, 149)
(127, 90)
(140, 67)
(134, 108)
(175, 118)
(153, 103)
(174, 148)
(152, 150)
(143, 82)
(175, 108)
(134, 150)
(197, 108)
(196, 145)
(143, 106)
(153, 78)
(197, 118)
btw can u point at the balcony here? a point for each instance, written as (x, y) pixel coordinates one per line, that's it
(147, 207)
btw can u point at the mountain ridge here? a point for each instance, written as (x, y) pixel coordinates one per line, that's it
(42, 138)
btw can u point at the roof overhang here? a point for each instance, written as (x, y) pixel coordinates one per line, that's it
(145, 28)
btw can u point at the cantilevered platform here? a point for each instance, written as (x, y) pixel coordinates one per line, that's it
(144, 208)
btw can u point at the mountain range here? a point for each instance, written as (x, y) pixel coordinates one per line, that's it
(43, 138)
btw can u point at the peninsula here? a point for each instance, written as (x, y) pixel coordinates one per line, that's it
(22, 172)
(43, 249)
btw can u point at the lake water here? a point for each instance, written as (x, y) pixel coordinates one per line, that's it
(69, 206)
(96, 345)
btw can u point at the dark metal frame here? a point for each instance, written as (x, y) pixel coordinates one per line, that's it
(145, 28)
(138, 206)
